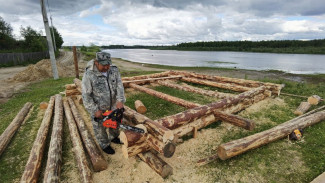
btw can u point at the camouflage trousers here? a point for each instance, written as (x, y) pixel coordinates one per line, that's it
(104, 135)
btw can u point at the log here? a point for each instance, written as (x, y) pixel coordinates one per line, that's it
(130, 138)
(133, 139)
(54, 160)
(169, 98)
(236, 147)
(14, 126)
(134, 150)
(33, 165)
(96, 157)
(72, 92)
(228, 86)
(80, 157)
(140, 107)
(192, 89)
(154, 128)
(149, 80)
(302, 108)
(156, 75)
(77, 82)
(166, 149)
(174, 121)
(314, 100)
(156, 163)
(235, 120)
(275, 88)
(70, 86)
(43, 105)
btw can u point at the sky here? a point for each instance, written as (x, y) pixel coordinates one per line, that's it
(169, 22)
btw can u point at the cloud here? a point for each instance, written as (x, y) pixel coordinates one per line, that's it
(156, 22)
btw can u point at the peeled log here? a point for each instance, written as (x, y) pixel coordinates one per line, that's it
(72, 92)
(134, 150)
(169, 98)
(314, 100)
(33, 165)
(80, 157)
(96, 157)
(166, 149)
(174, 121)
(157, 164)
(130, 138)
(228, 86)
(13, 127)
(154, 128)
(156, 75)
(235, 120)
(54, 160)
(192, 89)
(140, 107)
(236, 147)
(302, 108)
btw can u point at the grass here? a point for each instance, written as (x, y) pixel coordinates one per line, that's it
(280, 161)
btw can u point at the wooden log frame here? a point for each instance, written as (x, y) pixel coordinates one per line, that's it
(275, 88)
(174, 121)
(54, 160)
(80, 157)
(96, 157)
(228, 86)
(149, 80)
(239, 146)
(156, 163)
(169, 98)
(189, 88)
(14, 126)
(33, 165)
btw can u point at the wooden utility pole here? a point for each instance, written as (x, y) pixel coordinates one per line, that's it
(75, 61)
(49, 41)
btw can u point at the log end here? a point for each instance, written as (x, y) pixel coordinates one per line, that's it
(169, 150)
(166, 171)
(100, 166)
(314, 100)
(222, 154)
(43, 105)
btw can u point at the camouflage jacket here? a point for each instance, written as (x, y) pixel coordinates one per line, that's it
(100, 92)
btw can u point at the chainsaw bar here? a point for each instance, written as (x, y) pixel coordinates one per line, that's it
(131, 128)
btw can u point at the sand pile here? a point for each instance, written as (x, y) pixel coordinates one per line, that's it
(42, 70)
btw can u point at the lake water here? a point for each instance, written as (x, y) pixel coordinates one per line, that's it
(291, 63)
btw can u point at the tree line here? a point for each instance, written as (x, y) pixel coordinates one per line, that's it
(33, 41)
(316, 46)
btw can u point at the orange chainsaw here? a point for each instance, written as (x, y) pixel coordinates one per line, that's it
(113, 119)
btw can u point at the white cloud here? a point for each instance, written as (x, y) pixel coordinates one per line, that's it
(156, 22)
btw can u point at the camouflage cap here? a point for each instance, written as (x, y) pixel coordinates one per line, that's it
(104, 58)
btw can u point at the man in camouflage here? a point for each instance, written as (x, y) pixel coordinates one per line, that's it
(102, 90)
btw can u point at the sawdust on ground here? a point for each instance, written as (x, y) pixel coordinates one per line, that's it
(184, 161)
